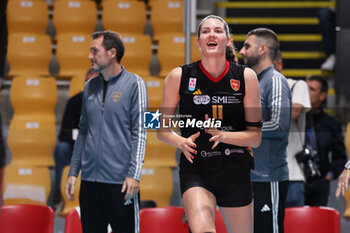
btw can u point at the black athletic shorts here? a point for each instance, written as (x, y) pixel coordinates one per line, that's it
(231, 185)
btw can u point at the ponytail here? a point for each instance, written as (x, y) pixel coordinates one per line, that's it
(230, 53)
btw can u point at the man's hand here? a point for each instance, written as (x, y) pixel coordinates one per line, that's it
(131, 186)
(343, 183)
(70, 185)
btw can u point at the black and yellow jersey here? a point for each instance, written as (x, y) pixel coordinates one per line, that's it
(222, 99)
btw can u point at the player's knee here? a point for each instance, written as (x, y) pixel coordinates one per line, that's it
(204, 230)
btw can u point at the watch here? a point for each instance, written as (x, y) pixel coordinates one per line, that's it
(347, 165)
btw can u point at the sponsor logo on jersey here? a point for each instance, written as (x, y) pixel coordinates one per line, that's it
(229, 151)
(205, 99)
(198, 92)
(117, 96)
(224, 99)
(192, 84)
(201, 99)
(208, 154)
(235, 84)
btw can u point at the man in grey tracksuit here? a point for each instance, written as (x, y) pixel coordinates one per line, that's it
(270, 176)
(110, 147)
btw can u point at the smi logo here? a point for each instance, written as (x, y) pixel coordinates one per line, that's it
(206, 99)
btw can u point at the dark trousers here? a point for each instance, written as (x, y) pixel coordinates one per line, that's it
(326, 17)
(317, 192)
(102, 204)
(269, 205)
(63, 155)
(295, 194)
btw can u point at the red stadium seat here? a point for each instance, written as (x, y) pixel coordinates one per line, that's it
(160, 220)
(219, 222)
(26, 218)
(73, 223)
(308, 219)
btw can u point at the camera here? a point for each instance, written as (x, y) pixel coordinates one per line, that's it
(307, 159)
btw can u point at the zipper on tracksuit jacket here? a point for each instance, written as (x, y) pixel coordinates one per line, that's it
(104, 94)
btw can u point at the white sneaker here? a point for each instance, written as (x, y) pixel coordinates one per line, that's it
(329, 64)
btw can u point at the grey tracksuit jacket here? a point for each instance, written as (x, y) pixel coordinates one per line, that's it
(111, 141)
(276, 105)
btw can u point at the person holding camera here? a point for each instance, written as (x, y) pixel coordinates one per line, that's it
(323, 137)
(300, 105)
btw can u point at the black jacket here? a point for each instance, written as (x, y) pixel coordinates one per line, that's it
(329, 139)
(71, 118)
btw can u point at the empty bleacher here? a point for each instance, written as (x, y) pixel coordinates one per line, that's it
(32, 130)
(27, 16)
(296, 24)
(74, 17)
(72, 53)
(25, 184)
(29, 54)
(124, 16)
(138, 53)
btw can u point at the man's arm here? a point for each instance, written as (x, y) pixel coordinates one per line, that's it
(339, 156)
(300, 99)
(297, 110)
(139, 104)
(279, 109)
(75, 164)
